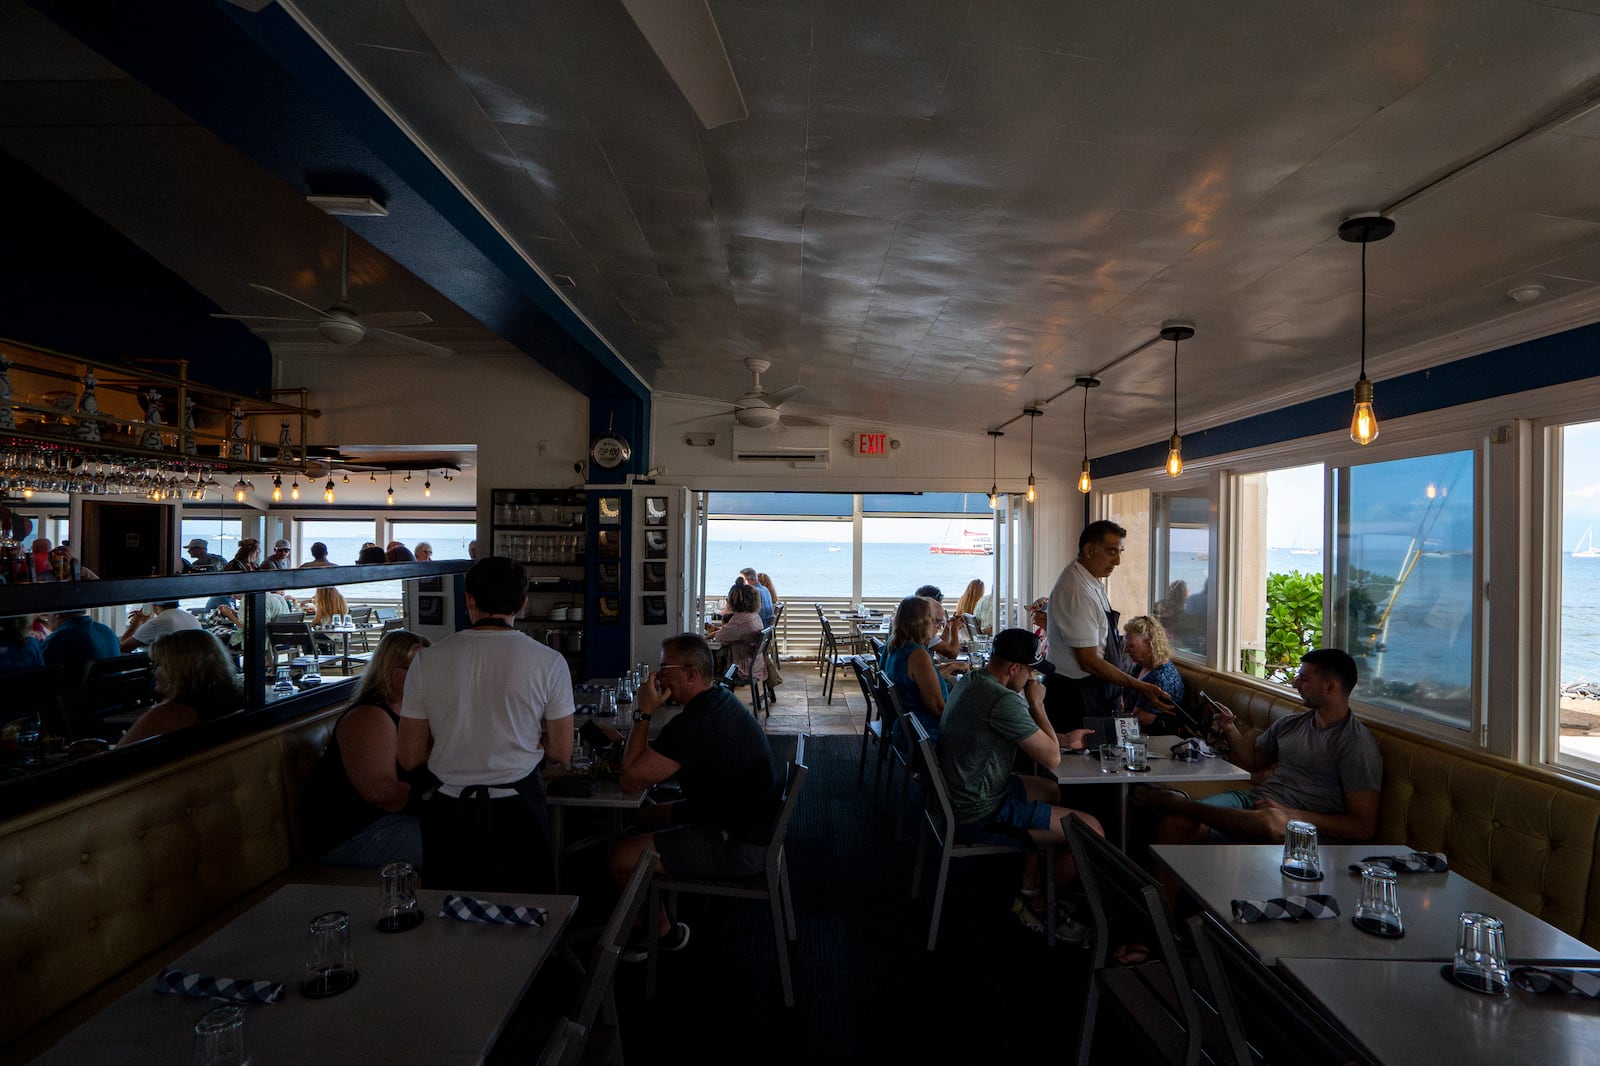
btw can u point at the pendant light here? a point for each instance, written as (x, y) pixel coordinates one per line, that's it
(427, 484)
(1363, 230)
(238, 491)
(294, 489)
(391, 488)
(994, 468)
(1175, 331)
(327, 492)
(1085, 483)
(1032, 413)
(277, 488)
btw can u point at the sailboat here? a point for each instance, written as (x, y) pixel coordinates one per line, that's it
(971, 542)
(1585, 548)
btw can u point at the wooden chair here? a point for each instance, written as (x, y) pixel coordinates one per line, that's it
(940, 822)
(1265, 1021)
(1158, 1003)
(772, 885)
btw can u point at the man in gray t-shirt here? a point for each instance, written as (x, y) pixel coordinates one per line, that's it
(1327, 770)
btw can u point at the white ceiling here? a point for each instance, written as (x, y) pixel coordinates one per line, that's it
(940, 211)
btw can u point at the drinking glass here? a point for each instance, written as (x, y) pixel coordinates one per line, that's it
(1300, 859)
(608, 704)
(219, 1038)
(330, 966)
(1111, 756)
(283, 684)
(1378, 910)
(1481, 954)
(1137, 755)
(397, 901)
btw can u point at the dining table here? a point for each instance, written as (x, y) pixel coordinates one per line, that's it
(1405, 1013)
(1083, 767)
(436, 995)
(608, 796)
(1430, 903)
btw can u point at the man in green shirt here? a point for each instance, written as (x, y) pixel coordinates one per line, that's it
(991, 715)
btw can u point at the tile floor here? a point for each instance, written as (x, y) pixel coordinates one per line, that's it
(800, 707)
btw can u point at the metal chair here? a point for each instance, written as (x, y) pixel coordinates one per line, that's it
(893, 715)
(940, 822)
(120, 685)
(772, 885)
(836, 654)
(297, 639)
(758, 691)
(872, 728)
(1275, 1024)
(1129, 907)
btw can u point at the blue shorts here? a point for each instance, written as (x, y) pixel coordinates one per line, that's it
(1238, 800)
(1010, 822)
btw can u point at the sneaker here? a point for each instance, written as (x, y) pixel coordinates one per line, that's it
(1031, 920)
(1068, 929)
(638, 949)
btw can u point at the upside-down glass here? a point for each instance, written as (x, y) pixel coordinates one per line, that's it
(1378, 910)
(219, 1038)
(1111, 758)
(397, 901)
(1300, 859)
(330, 965)
(1137, 755)
(1481, 954)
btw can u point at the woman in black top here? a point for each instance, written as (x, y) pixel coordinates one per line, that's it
(362, 804)
(248, 557)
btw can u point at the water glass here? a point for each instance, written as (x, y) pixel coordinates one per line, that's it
(608, 704)
(219, 1038)
(1481, 954)
(283, 684)
(1137, 755)
(1300, 859)
(1111, 756)
(1378, 910)
(397, 901)
(330, 965)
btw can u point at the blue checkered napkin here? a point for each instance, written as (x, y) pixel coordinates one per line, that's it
(183, 983)
(1557, 982)
(1285, 908)
(1414, 862)
(467, 909)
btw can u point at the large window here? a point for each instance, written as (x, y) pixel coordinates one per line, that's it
(1279, 576)
(449, 539)
(1578, 618)
(1403, 596)
(1181, 565)
(220, 534)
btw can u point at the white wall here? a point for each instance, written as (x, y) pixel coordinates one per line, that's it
(505, 405)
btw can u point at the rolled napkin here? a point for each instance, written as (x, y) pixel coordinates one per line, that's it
(1415, 862)
(1285, 908)
(1543, 982)
(184, 983)
(467, 909)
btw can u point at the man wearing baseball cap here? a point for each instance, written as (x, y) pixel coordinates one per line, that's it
(992, 714)
(200, 560)
(279, 559)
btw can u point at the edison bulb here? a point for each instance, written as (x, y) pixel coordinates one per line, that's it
(1033, 492)
(327, 492)
(1175, 456)
(1084, 482)
(994, 497)
(1363, 423)
(294, 490)
(391, 497)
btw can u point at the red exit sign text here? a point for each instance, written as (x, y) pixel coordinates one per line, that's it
(872, 444)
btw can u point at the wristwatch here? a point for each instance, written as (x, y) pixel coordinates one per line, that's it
(640, 716)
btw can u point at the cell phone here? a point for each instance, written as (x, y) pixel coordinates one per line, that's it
(598, 736)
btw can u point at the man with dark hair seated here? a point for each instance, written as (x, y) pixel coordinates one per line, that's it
(720, 757)
(1328, 770)
(484, 709)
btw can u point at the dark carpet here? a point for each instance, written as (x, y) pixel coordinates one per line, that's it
(865, 988)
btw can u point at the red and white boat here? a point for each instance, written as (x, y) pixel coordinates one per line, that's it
(971, 543)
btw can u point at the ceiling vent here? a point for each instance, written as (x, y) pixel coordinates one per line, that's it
(797, 445)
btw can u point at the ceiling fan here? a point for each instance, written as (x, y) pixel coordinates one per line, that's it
(758, 408)
(342, 325)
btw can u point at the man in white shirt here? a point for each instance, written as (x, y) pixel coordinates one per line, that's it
(1085, 639)
(484, 709)
(163, 618)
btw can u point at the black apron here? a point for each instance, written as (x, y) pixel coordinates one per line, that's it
(1069, 700)
(478, 841)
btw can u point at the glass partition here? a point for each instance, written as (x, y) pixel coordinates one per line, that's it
(1279, 573)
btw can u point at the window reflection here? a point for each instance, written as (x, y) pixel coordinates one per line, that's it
(1183, 570)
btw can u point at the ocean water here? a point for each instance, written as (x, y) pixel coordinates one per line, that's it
(808, 568)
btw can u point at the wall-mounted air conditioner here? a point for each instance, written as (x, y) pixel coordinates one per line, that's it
(797, 445)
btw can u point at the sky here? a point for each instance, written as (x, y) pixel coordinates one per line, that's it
(874, 530)
(1580, 490)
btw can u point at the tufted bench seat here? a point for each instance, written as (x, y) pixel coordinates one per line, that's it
(1526, 834)
(92, 884)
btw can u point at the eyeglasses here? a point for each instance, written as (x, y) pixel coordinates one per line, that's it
(672, 666)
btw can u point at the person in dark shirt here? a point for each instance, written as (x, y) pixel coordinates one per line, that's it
(719, 755)
(76, 640)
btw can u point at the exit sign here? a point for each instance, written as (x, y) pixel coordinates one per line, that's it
(872, 444)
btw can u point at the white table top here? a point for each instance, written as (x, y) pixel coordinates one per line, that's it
(1084, 769)
(1406, 1014)
(1217, 874)
(436, 994)
(607, 794)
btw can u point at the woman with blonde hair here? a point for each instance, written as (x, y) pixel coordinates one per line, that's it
(362, 806)
(195, 679)
(966, 615)
(1147, 648)
(248, 557)
(327, 606)
(921, 686)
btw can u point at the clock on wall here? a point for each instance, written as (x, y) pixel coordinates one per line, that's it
(610, 450)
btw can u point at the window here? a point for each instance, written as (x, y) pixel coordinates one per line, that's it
(1129, 584)
(900, 555)
(1181, 567)
(1578, 620)
(220, 534)
(1403, 595)
(1279, 575)
(449, 539)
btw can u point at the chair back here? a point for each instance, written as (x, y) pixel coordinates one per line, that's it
(291, 616)
(880, 648)
(384, 614)
(793, 780)
(777, 614)
(936, 807)
(829, 640)
(31, 692)
(614, 939)
(1265, 1020)
(889, 709)
(282, 634)
(866, 677)
(362, 615)
(564, 1047)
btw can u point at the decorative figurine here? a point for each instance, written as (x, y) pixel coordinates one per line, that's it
(88, 407)
(285, 445)
(238, 448)
(7, 421)
(189, 446)
(152, 420)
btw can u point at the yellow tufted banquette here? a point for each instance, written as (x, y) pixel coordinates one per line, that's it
(92, 884)
(1525, 834)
